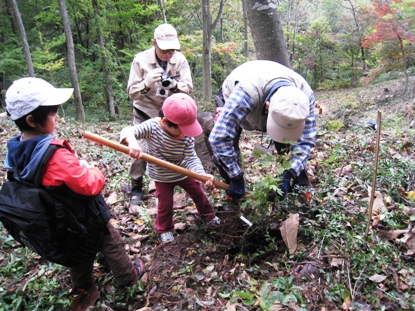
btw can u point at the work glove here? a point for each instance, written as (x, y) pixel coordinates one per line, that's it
(173, 84)
(237, 187)
(289, 179)
(152, 77)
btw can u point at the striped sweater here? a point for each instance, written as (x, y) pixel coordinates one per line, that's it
(178, 151)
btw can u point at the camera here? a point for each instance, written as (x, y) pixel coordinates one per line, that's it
(167, 80)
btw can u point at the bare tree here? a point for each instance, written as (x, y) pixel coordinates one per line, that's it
(105, 63)
(266, 28)
(26, 48)
(163, 11)
(80, 114)
(208, 29)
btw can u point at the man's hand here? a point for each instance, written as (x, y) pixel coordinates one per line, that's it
(173, 84)
(237, 187)
(152, 77)
(289, 179)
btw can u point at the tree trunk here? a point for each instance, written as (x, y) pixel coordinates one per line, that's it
(110, 93)
(24, 39)
(266, 28)
(206, 52)
(208, 29)
(80, 114)
(163, 11)
(245, 29)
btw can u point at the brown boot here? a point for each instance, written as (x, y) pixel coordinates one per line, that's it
(136, 190)
(85, 298)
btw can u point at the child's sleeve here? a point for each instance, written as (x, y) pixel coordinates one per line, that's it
(64, 168)
(192, 161)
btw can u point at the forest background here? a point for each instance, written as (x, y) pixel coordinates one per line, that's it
(333, 44)
(357, 55)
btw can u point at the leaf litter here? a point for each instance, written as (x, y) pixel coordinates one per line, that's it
(222, 267)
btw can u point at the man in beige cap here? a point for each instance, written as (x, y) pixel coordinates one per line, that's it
(269, 97)
(155, 74)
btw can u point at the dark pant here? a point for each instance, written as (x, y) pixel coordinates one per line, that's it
(165, 192)
(112, 247)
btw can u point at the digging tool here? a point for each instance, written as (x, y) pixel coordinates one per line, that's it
(148, 158)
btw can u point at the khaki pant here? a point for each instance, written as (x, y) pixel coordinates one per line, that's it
(112, 247)
(138, 167)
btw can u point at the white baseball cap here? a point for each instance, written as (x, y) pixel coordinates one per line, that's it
(166, 37)
(26, 94)
(289, 108)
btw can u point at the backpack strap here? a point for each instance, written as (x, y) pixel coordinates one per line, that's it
(40, 170)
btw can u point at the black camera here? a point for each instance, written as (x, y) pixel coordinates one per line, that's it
(166, 80)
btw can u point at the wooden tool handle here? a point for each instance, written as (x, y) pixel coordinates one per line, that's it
(148, 158)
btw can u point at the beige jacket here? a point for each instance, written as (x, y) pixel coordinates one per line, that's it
(150, 101)
(257, 77)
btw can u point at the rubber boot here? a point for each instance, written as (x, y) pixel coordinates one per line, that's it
(136, 190)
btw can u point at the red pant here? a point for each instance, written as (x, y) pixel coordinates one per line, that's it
(164, 193)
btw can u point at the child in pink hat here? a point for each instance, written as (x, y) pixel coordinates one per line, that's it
(170, 137)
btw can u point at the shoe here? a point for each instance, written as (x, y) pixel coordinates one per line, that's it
(139, 270)
(136, 191)
(215, 221)
(166, 237)
(85, 298)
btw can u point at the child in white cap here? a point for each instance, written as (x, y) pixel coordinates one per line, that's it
(170, 137)
(32, 103)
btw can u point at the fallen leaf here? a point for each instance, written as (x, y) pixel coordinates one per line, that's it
(377, 278)
(409, 240)
(134, 209)
(389, 235)
(289, 231)
(180, 226)
(278, 307)
(378, 201)
(411, 195)
(347, 303)
(112, 198)
(179, 200)
(337, 262)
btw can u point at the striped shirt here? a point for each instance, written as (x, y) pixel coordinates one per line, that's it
(178, 151)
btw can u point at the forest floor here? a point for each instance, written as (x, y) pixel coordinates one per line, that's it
(308, 252)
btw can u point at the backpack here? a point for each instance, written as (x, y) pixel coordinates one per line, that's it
(56, 223)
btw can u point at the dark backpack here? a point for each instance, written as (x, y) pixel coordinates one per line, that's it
(59, 225)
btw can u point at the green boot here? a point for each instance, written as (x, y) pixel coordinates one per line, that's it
(136, 191)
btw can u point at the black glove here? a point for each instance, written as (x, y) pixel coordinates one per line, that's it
(289, 179)
(237, 187)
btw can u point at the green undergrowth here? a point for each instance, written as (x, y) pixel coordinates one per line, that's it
(336, 266)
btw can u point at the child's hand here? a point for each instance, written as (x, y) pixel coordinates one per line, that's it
(134, 149)
(210, 182)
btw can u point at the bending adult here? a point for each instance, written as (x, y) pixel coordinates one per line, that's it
(155, 74)
(269, 97)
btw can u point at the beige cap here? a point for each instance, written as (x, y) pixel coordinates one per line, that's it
(166, 37)
(288, 110)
